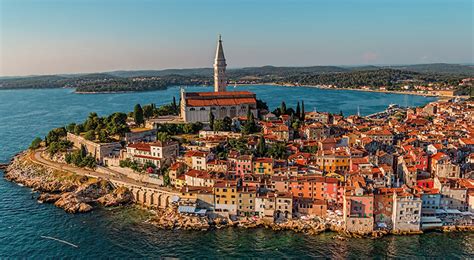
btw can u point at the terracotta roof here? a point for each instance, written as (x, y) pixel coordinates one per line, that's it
(227, 98)
(140, 146)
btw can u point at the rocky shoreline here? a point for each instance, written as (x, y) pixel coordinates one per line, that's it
(71, 192)
(170, 219)
(75, 194)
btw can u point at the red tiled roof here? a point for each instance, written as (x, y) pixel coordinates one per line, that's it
(140, 146)
(227, 98)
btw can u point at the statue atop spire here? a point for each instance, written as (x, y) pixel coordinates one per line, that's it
(220, 80)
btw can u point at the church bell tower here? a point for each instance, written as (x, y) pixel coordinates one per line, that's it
(220, 80)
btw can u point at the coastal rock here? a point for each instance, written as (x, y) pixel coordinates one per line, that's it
(71, 203)
(48, 197)
(119, 196)
(74, 193)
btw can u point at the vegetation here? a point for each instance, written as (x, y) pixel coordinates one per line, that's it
(138, 115)
(147, 167)
(81, 158)
(278, 151)
(59, 146)
(36, 143)
(222, 125)
(176, 129)
(250, 125)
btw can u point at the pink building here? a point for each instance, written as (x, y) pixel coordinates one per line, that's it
(243, 165)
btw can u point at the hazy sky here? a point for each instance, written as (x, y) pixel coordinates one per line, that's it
(69, 36)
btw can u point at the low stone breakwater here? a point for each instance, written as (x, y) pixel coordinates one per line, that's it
(69, 191)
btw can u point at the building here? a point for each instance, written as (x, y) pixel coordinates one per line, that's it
(263, 166)
(246, 200)
(158, 153)
(406, 212)
(197, 106)
(358, 212)
(98, 150)
(225, 198)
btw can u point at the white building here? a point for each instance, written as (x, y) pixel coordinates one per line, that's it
(158, 153)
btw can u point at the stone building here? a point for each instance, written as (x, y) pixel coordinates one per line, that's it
(406, 212)
(197, 106)
(98, 150)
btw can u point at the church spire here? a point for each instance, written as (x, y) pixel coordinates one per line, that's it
(220, 80)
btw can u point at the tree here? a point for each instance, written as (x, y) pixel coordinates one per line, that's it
(298, 112)
(103, 136)
(117, 124)
(89, 135)
(218, 125)
(91, 122)
(296, 125)
(163, 136)
(35, 144)
(211, 120)
(302, 111)
(261, 105)
(278, 151)
(55, 135)
(261, 147)
(166, 179)
(341, 114)
(175, 106)
(78, 129)
(250, 126)
(283, 108)
(70, 128)
(148, 111)
(227, 123)
(138, 115)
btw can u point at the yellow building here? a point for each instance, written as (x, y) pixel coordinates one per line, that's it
(180, 182)
(263, 166)
(225, 197)
(333, 161)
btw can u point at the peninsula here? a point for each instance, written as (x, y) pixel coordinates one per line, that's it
(224, 158)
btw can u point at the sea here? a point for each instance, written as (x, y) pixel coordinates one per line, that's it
(32, 230)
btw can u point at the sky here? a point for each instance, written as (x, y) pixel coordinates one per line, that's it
(82, 36)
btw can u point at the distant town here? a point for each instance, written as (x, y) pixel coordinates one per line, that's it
(226, 158)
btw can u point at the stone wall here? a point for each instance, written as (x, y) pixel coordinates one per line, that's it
(98, 150)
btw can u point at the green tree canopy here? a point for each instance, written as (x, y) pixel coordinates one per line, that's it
(138, 115)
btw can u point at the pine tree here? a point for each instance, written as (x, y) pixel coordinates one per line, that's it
(261, 147)
(283, 108)
(138, 115)
(302, 111)
(175, 106)
(211, 120)
(298, 112)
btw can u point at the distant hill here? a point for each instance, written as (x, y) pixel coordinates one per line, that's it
(439, 68)
(159, 79)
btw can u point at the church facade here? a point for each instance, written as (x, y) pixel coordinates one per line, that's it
(197, 106)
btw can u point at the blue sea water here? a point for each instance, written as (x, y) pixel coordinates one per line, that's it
(122, 233)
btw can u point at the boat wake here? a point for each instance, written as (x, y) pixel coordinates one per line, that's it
(59, 240)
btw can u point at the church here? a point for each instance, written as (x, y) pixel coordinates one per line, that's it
(196, 106)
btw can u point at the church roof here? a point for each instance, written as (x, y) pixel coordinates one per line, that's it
(226, 98)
